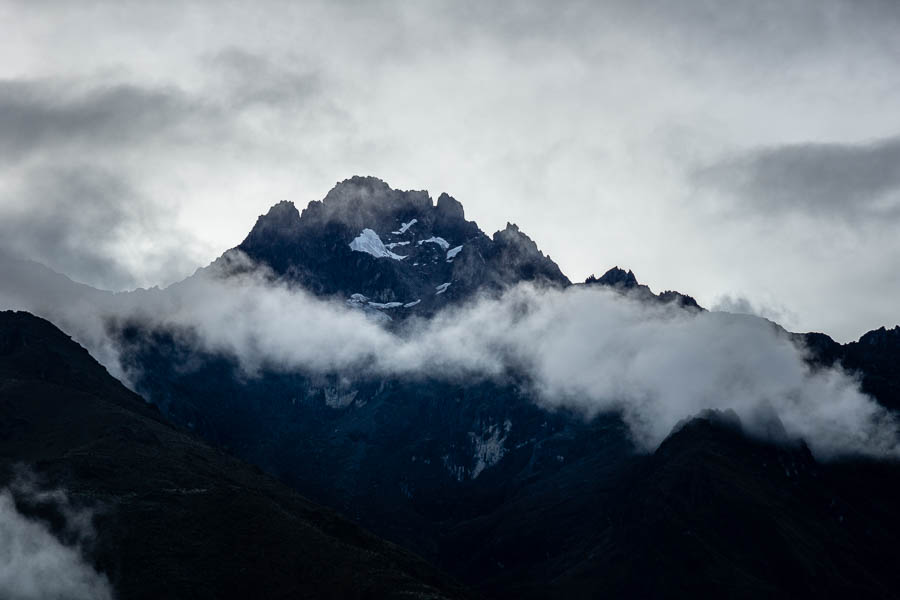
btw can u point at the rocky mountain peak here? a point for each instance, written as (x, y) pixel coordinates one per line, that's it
(361, 202)
(519, 256)
(882, 337)
(282, 220)
(625, 282)
(615, 277)
(511, 236)
(449, 208)
(399, 253)
(683, 300)
(283, 211)
(392, 249)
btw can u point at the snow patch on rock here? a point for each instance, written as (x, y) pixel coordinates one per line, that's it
(436, 240)
(336, 398)
(384, 305)
(369, 242)
(453, 252)
(404, 227)
(370, 309)
(489, 448)
(458, 472)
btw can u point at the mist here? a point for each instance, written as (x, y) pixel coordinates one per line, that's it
(590, 349)
(34, 563)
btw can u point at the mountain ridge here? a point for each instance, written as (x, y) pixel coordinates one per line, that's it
(175, 518)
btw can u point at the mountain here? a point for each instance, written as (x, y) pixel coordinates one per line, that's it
(475, 475)
(477, 478)
(338, 247)
(711, 512)
(174, 518)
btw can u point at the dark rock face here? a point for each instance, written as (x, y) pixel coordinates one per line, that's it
(473, 476)
(682, 300)
(175, 518)
(615, 277)
(410, 248)
(514, 257)
(625, 282)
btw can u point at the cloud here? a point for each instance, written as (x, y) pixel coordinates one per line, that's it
(94, 117)
(41, 114)
(69, 195)
(89, 221)
(853, 182)
(251, 79)
(743, 305)
(34, 563)
(584, 348)
(81, 160)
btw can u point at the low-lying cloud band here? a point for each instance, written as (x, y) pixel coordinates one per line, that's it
(586, 348)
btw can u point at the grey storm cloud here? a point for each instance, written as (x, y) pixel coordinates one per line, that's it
(73, 199)
(846, 181)
(582, 121)
(95, 115)
(48, 115)
(252, 79)
(77, 218)
(68, 199)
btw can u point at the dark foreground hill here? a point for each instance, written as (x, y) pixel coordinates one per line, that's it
(174, 518)
(713, 513)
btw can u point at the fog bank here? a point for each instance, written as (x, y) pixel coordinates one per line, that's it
(587, 348)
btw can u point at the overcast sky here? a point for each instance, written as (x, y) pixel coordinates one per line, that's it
(748, 155)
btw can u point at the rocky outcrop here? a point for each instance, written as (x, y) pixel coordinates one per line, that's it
(615, 277)
(625, 282)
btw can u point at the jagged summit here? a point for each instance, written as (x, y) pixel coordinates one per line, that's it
(283, 211)
(888, 338)
(615, 277)
(396, 250)
(361, 202)
(521, 255)
(282, 220)
(626, 282)
(396, 253)
(450, 208)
